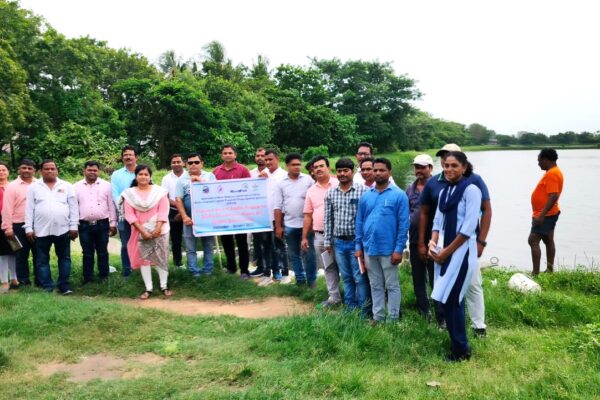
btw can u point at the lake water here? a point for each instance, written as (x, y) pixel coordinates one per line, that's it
(511, 176)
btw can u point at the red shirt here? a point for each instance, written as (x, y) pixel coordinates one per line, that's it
(238, 171)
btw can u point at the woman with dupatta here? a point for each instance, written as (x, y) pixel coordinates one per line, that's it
(146, 208)
(453, 247)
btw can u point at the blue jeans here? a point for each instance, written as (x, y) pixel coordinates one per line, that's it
(124, 234)
(22, 257)
(356, 290)
(94, 239)
(62, 249)
(304, 263)
(208, 242)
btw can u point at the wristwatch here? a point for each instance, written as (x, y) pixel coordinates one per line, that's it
(482, 242)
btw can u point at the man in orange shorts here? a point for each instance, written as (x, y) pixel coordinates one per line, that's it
(544, 202)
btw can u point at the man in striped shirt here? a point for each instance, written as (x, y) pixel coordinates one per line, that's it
(341, 206)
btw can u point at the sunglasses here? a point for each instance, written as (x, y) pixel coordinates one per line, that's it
(194, 162)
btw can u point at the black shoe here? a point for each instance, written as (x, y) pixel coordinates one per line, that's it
(480, 332)
(25, 283)
(458, 357)
(442, 325)
(257, 272)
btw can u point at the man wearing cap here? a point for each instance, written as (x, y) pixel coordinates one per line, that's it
(422, 269)
(544, 203)
(428, 201)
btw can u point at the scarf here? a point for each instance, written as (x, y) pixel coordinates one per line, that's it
(448, 205)
(131, 196)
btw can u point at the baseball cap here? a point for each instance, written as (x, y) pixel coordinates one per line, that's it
(446, 148)
(423, 159)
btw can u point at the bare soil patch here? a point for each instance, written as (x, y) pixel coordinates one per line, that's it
(102, 366)
(270, 307)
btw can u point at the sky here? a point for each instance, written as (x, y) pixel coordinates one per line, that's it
(509, 65)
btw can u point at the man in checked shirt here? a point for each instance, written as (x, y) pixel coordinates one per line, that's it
(341, 206)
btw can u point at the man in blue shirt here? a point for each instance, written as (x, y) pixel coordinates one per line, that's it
(429, 202)
(120, 180)
(381, 232)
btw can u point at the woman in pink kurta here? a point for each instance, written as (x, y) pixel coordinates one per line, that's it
(146, 208)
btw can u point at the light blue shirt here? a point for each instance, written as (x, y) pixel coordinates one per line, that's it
(382, 222)
(120, 180)
(184, 185)
(51, 212)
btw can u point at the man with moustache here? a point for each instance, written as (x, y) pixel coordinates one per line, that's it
(120, 180)
(13, 219)
(169, 182)
(314, 214)
(366, 173)
(51, 218)
(341, 206)
(97, 220)
(262, 242)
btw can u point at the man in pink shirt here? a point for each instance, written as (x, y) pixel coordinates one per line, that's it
(314, 222)
(231, 169)
(97, 220)
(13, 219)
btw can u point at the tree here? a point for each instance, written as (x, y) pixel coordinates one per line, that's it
(217, 64)
(14, 97)
(480, 134)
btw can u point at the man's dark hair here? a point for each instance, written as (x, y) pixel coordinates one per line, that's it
(91, 163)
(462, 159)
(141, 167)
(28, 162)
(385, 161)
(344, 163)
(320, 157)
(48, 161)
(260, 149)
(272, 151)
(292, 156)
(128, 147)
(230, 146)
(365, 144)
(192, 155)
(175, 156)
(364, 160)
(549, 154)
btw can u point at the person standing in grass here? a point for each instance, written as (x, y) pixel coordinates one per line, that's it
(341, 206)
(8, 271)
(146, 208)
(184, 206)
(262, 242)
(381, 233)
(13, 220)
(51, 218)
(453, 247)
(169, 182)
(231, 169)
(290, 196)
(544, 202)
(97, 220)
(121, 180)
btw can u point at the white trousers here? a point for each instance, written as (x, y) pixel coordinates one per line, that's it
(163, 275)
(475, 302)
(7, 267)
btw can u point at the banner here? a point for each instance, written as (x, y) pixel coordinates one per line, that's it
(230, 207)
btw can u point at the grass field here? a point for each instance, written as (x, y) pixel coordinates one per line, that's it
(544, 346)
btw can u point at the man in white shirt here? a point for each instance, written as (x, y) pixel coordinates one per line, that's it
(169, 182)
(51, 218)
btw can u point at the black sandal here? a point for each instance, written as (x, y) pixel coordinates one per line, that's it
(146, 295)
(167, 292)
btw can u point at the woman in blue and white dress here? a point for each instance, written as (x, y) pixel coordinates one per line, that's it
(453, 247)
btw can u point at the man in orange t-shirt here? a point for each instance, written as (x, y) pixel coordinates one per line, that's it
(544, 202)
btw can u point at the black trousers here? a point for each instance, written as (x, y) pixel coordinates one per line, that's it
(229, 247)
(422, 271)
(176, 233)
(22, 257)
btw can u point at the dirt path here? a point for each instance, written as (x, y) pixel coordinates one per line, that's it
(270, 307)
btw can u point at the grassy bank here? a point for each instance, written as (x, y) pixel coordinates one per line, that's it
(539, 346)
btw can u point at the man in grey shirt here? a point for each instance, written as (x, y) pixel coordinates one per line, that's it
(288, 204)
(51, 218)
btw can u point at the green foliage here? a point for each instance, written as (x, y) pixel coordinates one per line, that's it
(14, 98)
(312, 151)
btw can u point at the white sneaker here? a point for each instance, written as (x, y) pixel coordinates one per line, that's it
(286, 280)
(266, 281)
(112, 269)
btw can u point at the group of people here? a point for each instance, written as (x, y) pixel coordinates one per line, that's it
(354, 226)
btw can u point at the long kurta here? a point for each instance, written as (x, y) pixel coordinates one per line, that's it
(160, 210)
(466, 224)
